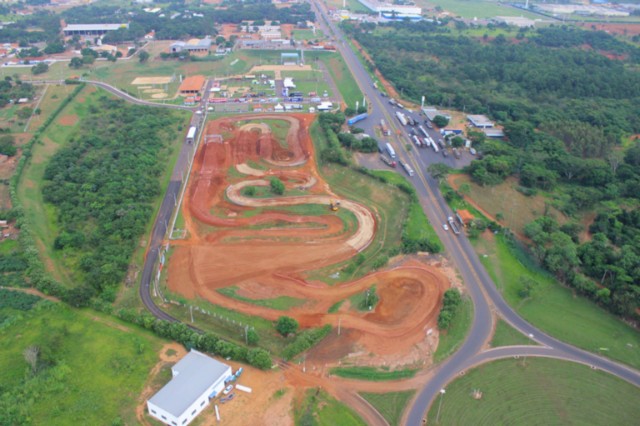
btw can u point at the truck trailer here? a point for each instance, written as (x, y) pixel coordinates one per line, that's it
(402, 118)
(390, 151)
(191, 135)
(384, 128)
(388, 161)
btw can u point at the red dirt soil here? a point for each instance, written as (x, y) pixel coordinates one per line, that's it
(270, 260)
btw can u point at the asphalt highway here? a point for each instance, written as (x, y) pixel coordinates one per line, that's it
(486, 298)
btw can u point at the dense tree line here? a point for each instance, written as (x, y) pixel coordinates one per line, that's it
(22, 31)
(565, 107)
(102, 185)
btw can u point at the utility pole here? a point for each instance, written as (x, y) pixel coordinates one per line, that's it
(339, 321)
(191, 309)
(442, 392)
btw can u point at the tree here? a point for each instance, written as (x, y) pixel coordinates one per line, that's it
(76, 63)
(457, 142)
(7, 146)
(252, 337)
(277, 187)
(143, 56)
(440, 121)
(24, 113)
(438, 170)
(39, 68)
(259, 358)
(286, 326)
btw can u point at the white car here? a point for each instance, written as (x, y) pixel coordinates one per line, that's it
(227, 389)
(445, 227)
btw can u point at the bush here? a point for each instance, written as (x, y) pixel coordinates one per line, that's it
(450, 302)
(286, 326)
(277, 187)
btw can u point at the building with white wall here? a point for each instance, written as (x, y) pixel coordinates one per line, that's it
(196, 379)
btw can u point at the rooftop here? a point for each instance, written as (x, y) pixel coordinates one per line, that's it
(94, 27)
(192, 375)
(192, 84)
(480, 120)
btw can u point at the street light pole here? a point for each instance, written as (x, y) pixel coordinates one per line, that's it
(442, 392)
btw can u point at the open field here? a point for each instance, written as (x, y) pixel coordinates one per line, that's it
(100, 366)
(352, 5)
(319, 409)
(258, 260)
(478, 9)
(391, 405)
(543, 392)
(517, 209)
(554, 308)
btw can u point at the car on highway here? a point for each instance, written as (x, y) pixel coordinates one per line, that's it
(445, 226)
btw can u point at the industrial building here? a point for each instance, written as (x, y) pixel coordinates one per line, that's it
(91, 29)
(393, 11)
(196, 379)
(480, 121)
(192, 46)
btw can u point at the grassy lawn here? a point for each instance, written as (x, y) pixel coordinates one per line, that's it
(517, 209)
(480, 9)
(317, 408)
(280, 303)
(307, 35)
(372, 374)
(452, 338)
(41, 216)
(344, 79)
(554, 308)
(352, 5)
(390, 405)
(365, 299)
(101, 365)
(544, 392)
(505, 335)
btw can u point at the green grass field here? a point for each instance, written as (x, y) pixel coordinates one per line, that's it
(344, 80)
(391, 405)
(372, 374)
(101, 365)
(319, 409)
(544, 392)
(505, 335)
(452, 338)
(480, 9)
(554, 308)
(280, 303)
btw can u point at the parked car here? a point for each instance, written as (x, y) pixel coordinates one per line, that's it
(227, 389)
(445, 227)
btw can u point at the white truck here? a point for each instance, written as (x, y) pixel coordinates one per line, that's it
(401, 118)
(407, 168)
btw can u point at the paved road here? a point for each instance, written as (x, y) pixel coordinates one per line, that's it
(486, 298)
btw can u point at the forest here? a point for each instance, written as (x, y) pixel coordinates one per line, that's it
(103, 184)
(568, 100)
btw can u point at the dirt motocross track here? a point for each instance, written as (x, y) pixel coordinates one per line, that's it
(266, 249)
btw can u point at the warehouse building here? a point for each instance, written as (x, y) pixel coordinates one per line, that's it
(91, 29)
(192, 46)
(432, 112)
(196, 379)
(192, 85)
